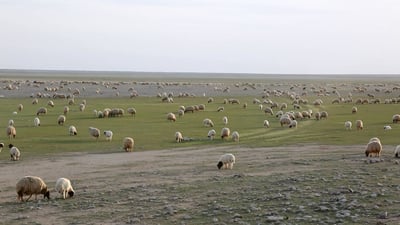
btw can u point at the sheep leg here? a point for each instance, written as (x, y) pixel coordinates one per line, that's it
(28, 198)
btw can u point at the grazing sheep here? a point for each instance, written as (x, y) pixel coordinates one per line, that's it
(15, 154)
(94, 132)
(225, 120)
(64, 187)
(128, 144)
(324, 114)
(61, 119)
(181, 112)
(72, 130)
(220, 109)
(108, 134)
(171, 117)
(396, 118)
(268, 110)
(225, 132)
(293, 123)
(359, 124)
(82, 107)
(373, 147)
(1, 146)
(41, 111)
(397, 151)
(235, 136)
(354, 110)
(226, 161)
(210, 100)
(66, 110)
(11, 132)
(50, 103)
(131, 111)
(35, 101)
(211, 134)
(317, 115)
(31, 185)
(348, 125)
(20, 107)
(11, 122)
(266, 123)
(36, 122)
(208, 123)
(178, 137)
(285, 120)
(387, 127)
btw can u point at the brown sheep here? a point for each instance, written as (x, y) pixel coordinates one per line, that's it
(31, 185)
(128, 144)
(373, 147)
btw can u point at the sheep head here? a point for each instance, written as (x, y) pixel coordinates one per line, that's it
(71, 193)
(220, 164)
(46, 194)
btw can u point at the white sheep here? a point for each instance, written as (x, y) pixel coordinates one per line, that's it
(208, 122)
(20, 107)
(41, 111)
(31, 185)
(226, 161)
(11, 122)
(211, 134)
(397, 151)
(225, 132)
(64, 187)
(36, 122)
(266, 123)
(1, 146)
(374, 146)
(348, 125)
(387, 127)
(178, 137)
(94, 132)
(72, 130)
(82, 107)
(11, 132)
(61, 119)
(359, 124)
(108, 134)
(171, 117)
(15, 154)
(235, 136)
(66, 110)
(225, 120)
(131, 111)
(128, 144)
(293, 123)
(50, 103)
(396, 118)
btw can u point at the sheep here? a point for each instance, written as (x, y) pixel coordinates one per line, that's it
(20, 107)
(108, 134)
(235, 136)
(82, 107)
(359, 124)
(178, 137)
(348, 125)
(1, 146)
(208, 122)
(268, 110)
(131, 111)
(171, 117)
(11, 132)
(35, 101)
(225, 132)
(41, 111)
(31, 185)
(15, 154)
(317, 115)
(11, 122)
(396, 118)
(225, 120)
(64, 187)
(354, 110)
(266, 123)
(94, 132)
(36, 122)
(128, 144)
(324, 114)
(220, 109)
(66, 110)
(293, 123)
(387, 127)
(50, 103)
(72, 130)
(61, 119)
(211, 134)
(397, 151)
(285, 120)
(373, 147)
(226, 161)
(181, 112)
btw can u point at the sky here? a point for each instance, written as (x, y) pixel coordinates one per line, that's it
(218, 36)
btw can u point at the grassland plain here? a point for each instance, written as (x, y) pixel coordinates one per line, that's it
(315, 173)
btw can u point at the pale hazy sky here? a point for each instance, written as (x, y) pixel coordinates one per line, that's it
(230, 36)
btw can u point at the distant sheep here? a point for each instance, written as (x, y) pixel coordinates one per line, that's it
(226, 161)
(108, 134)
(387, 127)
(35, 101)
(50, 103)
(268, 110)
(31, 185)
(20, 107)
(178, 137)
(171, 117)
(128, 144)
(348, 125)
(181, 112)
(15, 154)
(317, 115)
(285, 120)
(211, 134)
(397, 151)
(64, 187)
(11, 132)
(225, 132)
(41, 111)
(1, 146)
(266, 123)
(72, 130)
(373, 147)
(11, 122)
(293, 124)
(94, 132)
(396, 118)
(208, 123)
(324, 114)
(235, 136)
(225, 120)
(131, 111)
(220, 109)
(66, 110)
(359, 124)
(61, 119)
(36, 122)
(354, 110)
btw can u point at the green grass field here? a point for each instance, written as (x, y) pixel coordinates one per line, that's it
(152, 131)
